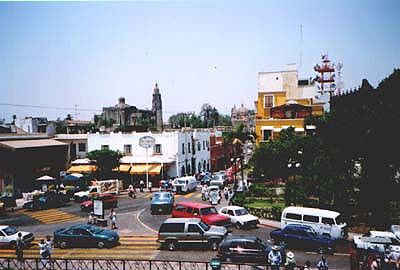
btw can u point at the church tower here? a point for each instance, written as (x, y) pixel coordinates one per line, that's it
(157, 107)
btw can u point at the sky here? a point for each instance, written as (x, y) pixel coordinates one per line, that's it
(59, 58)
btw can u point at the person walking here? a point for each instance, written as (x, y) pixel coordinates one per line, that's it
(226, 190)
(19, 250)
(203, 192)
(230, 196)
(275, 258)
(131, 191)
(290, 262)
(91, 219)
(141, 183)
(322, 264)
(150, 186)
(49, 245)
(44, 253)
(113, 217)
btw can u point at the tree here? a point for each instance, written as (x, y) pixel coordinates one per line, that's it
(106, 160)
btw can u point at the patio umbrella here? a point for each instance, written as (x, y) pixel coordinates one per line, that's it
(45, 178)
(73, 176)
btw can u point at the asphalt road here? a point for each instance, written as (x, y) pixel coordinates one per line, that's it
(136, 223)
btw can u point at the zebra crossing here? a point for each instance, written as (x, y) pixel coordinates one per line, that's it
(52, 216)
(142, 247)
(148, 195)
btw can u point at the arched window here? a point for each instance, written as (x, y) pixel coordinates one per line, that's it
(189, 172)
(183, 172)
(205, 166)
(199, 167)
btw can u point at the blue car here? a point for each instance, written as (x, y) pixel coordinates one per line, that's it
(85, 236)
(304, 237)
(162, 202)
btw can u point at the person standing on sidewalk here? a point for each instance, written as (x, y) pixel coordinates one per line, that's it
(275, 258)
(141, 183)
(150, 186)
(290, 262)
(19, 250)
(322, 264)
(49, 245)
(113, 217)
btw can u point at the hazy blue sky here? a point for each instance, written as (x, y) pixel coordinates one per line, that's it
(90, 53)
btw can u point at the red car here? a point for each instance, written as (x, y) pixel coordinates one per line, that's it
(109, 201)
(208, 214)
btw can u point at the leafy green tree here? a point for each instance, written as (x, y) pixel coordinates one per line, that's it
(106, 160)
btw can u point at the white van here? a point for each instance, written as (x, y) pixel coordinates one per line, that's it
(184, 184)
(324, 222)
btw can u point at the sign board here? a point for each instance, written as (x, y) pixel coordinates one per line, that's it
(98, 207)
(63, 173)
(147, 141)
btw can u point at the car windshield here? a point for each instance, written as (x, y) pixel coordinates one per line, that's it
(241, 212)
(10, 231)
(208, 211)
(181, 182)
(340, 220)
(204, 226)
(161, 196)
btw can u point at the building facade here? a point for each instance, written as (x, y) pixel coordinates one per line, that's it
(242, 115)
(284, 101)
(174, 154)
(132, 118)
(32, 124)
(77, 145)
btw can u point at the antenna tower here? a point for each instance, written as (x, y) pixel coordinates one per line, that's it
(326, 76)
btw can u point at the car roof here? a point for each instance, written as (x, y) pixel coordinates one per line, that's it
(176, 220)
(382, 234)
(243, 237)
(194, 204)
(311, 211)
(233, 207)
(298, 226)
(2, 227)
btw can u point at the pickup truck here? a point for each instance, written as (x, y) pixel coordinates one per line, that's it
(86, 194)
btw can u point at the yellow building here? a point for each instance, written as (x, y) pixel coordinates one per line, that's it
(284, 101)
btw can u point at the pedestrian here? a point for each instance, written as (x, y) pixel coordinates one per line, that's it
(230, 197)
(203, 192)
(49, 245)
(91, 219)
(19, 249)
(141, 183)
(322, 264)
(113, 217)
(275, 258)
(290, 262)
(150, 186)
(44, 252)
(226, 190)
(131, 191)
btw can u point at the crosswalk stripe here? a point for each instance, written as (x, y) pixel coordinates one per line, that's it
(52, 216)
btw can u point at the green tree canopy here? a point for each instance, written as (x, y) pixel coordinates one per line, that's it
(106, 160)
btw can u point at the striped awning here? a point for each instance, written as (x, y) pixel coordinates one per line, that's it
(82, 169)
(122, 168)
(154, 169)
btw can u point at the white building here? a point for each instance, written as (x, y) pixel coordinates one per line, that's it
(176, 153)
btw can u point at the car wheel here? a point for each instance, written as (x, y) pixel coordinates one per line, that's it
(238, 225)
(171, 245)
(214, 245)
(63, 244)
(100, 244)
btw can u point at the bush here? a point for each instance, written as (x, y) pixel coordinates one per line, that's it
(259, 190)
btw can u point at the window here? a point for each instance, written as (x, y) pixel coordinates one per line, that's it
(311, 218)
(230, 212)
(189, 210)
(183, 148)
(189, 147)
(329, 221)
(198, 146)
(127, 148)
(172, 227)
(82, 147)
(293, 216)
(105, 147)
(268, 101)
(157, 149)
(267, 134)
(180, 208)
(204, 145)
(223, 211)
(194, 228)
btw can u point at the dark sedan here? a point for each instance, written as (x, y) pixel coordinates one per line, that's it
(109, 201)
(49, 200)
(304, 237)
(246, 249)
(162, 202)
(85, 236)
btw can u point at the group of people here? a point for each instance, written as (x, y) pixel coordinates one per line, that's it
(45, 250)
(275, 261)
(92, 219)
(227, 193)
(390, 260)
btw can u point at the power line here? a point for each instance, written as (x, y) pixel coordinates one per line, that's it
(48, 107)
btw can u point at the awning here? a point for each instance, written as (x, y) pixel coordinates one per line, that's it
(82, 169)
(154, 169)
(267, 127)
(45, 178)
(122, 168)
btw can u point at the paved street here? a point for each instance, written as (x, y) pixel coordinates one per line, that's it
(138, 230)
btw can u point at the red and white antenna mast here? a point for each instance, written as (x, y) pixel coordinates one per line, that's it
(326, 76)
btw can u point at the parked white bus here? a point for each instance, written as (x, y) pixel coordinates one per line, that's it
(324, 222)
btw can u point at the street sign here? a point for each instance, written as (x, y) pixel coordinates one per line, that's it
(147, 141)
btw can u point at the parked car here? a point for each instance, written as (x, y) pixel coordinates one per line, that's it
(377, 241)
(239, 216)
(304, 237)
(85, 236)
(50, 199)
(218, 179)
(246, 248)
(175, 231)
(109, 201)
(208, 214)
(9, 236)
(184, 184)
(162, 202)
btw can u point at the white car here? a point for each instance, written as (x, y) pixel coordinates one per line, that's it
(239, 216)
(9, 236)
(377, 241)
(396, 230)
